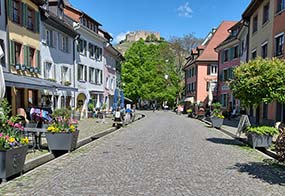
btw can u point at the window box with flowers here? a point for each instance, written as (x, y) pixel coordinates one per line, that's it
(62, 134)
(13, 144)
(217, 117)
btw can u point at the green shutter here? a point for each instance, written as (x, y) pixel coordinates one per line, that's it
(223, 56)
(26, 56)
(12, 53)
(10, 10)
(24, 14)
(37, 22)
(38, 59)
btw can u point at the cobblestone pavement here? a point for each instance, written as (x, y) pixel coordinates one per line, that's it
(162, 155)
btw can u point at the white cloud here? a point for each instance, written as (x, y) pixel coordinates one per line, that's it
(120, 37)
(185, 10)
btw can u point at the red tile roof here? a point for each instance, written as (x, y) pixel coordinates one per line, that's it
(209, 53)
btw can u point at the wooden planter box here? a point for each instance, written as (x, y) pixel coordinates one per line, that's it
(62, 141)
(256, 140)
(12, 161)
(217, 122)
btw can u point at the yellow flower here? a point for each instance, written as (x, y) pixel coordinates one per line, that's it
(11, 139)
(50, 128)
(72, 128)
(25, 140)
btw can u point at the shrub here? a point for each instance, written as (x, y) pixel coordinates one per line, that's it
(261, 130)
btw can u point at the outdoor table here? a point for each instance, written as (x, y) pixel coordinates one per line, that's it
(36, 135)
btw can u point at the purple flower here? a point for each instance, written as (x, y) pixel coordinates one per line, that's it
(1, 134)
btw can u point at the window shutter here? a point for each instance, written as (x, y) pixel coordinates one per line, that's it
(60, 41)
(85, 47)
(90, 49)
(68, 45)
(78, 45)
(10, 10)
(223, 56)
(12, 53)
(38, 59)
(85, 72)
(100, 53)
(231, 53)
(26, 55)
(24, 14)
(37, 22)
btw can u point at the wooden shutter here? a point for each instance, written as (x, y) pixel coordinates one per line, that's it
(10, 9)
(12, 53)
(37, 22)
(24, 14)
(38, 58)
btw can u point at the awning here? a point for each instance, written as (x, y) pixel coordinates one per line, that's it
(14, 80)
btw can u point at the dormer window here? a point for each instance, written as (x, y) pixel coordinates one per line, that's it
(234, 32)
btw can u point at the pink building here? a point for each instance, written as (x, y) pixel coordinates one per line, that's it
(232, 51)
(201, 68)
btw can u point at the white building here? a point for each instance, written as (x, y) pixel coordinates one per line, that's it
(57, 55)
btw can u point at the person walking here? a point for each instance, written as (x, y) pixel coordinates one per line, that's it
(153, 106)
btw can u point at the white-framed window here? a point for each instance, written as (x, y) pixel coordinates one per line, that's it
(63, 43)
(65, 74)
(48, 71)
(253, 54)
(279, 44)
(82, 73)
(81, 48)
(254, 24)
(98, 51)
(98, 76)
(91, 75)
(49, 37)
(91, 51)
(280, 5)
(265, 13)
(212, 69)
(264, 49)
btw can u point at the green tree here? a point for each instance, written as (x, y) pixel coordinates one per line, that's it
(259, 80)
(144, 70)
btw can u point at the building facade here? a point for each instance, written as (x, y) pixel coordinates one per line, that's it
(57, 55)
(3, 36)
(201, 69)
(89, 63)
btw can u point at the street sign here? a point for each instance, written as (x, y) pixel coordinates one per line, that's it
(243, 123)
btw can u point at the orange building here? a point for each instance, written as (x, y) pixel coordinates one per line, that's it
(201, 69)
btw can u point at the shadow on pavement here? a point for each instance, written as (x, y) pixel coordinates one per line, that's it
(269, 171)
(224, 141)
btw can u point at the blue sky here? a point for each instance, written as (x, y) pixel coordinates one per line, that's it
(169, 17)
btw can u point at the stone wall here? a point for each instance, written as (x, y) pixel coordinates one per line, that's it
(135, 36)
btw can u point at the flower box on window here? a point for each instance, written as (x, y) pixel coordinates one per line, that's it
(31, 69)
(17, 66)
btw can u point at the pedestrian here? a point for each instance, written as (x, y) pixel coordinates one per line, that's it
(153, 106)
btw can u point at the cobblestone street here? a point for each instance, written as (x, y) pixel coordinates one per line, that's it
(163, 155)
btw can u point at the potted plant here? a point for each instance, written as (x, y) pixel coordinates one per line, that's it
(217, 117)
(13, 144)
(91, 107)
(62, 133)
(260, 136)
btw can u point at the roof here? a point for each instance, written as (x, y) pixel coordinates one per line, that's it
(209, 53)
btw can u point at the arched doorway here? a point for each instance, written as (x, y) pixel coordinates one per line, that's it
(81, 104)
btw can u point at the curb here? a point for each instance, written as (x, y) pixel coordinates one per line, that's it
(243, 141)
(38, 161)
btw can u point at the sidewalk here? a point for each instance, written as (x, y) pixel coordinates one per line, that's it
(229, 127)
(89, 130)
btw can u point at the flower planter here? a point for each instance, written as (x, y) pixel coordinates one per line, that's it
(217, 122)
(12, 161)
(62, 141)
(256, 140)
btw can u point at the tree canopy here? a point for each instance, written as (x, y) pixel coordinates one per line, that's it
(144, 71)
(260, 80)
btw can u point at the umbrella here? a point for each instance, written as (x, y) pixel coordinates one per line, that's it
(2, 80)
(122, 99)
(115, 103)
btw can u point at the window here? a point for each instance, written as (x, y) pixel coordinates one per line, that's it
(30, 19)
(82, 73)
(279, 44)
(224, 100)
(65, 75)
(280, 5)
(253, 54)
(91, 75)
(226, 75)
(18, 53)
(91, 51)
(212, 69)
(98, 76)
(49, 37)
(226, 55)
(82, 46)
(265, 111)
(265, 13)
(31, 61)
(16, 11)
(48, 73)
(2, 45)
(98, 53)
(65, 44)
(235, 52)
(254, 24)
(264, 50)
